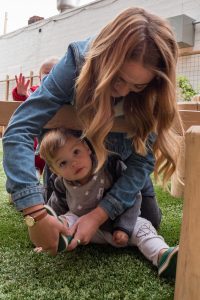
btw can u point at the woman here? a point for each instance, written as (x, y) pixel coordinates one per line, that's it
(132, 61)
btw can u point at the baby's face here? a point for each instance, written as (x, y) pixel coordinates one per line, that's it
(45, 70)
(73, 161)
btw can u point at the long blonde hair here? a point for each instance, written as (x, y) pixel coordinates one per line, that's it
(140, 36)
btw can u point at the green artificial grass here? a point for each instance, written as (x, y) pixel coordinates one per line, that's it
(90, 272)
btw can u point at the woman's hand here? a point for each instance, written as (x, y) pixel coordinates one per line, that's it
(86, 227)
(22, 85)
(45, 234)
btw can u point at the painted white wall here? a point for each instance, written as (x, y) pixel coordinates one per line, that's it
(26, 48)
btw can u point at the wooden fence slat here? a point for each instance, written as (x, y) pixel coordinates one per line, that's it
(188, 268)
(7, 87)
(189, 118)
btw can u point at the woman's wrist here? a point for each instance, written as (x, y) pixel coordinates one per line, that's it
(32, 209)
(34, 212)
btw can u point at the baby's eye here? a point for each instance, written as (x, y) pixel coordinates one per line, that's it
(62, 163)
(77, 151)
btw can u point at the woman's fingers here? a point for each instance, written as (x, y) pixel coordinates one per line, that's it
(81, 235)
(72, 230)
(38, 250)
(75, 243)
(64, 230)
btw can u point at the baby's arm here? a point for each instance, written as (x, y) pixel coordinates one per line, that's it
(123, 226)
(58, 199)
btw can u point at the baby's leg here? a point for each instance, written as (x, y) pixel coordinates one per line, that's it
(101, 236)
(69, 219)
(147, 240)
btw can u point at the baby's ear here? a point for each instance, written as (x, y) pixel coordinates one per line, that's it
(52, 169)
(89, 151)
(88, 148)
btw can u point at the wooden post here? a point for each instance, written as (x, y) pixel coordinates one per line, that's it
(178, 178)
(188, 268)
(5, 23)
(189, 118)
(7, 88)
(31, 78)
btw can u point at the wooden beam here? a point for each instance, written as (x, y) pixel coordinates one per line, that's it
(190, 118)
(7, 108)
(188, 105)
(189, 52)
(188, 268)
(66, 116)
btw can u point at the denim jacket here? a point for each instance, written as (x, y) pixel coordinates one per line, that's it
(28, 121)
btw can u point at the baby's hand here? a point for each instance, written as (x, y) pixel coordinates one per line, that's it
(120, 238)
(22, 85)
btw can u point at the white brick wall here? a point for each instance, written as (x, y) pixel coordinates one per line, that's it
(24, 50)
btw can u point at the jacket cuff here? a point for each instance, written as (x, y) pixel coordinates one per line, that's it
(16, 96)
(112, 207)
(28, 197)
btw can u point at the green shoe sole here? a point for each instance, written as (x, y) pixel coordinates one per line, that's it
(64, 241)
(168, 262)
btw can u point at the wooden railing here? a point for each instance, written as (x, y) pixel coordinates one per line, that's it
(66, 116)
